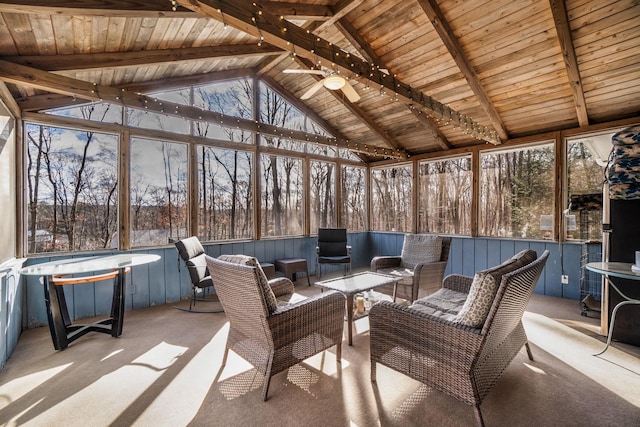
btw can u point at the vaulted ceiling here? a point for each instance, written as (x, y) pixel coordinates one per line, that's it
(432, 75)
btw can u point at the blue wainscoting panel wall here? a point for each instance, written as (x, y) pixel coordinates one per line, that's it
(167, 280)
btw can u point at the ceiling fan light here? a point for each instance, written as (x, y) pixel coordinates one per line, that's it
(334, 82)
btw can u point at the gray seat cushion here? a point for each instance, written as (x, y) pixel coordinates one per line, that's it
(444, 303)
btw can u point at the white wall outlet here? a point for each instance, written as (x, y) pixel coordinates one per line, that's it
(565, 279)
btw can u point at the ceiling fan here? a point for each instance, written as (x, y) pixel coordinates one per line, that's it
(332, 81)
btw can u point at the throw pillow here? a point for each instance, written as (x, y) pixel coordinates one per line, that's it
(479, 301)
(419, 249)
(263, 283)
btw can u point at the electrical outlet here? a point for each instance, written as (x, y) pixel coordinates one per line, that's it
(565, 279)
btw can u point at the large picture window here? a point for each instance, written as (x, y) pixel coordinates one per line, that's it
(392, 198)
(72, 189)
(232, 98)
(158, 192)
(586, 161)
(354, 198)
(444, 204)
(322, 200)
(517, 192)
(225, 184)
(282, 199)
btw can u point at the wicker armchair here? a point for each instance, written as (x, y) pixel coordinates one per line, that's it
(462, 361)
(415, 272)
(274, 336)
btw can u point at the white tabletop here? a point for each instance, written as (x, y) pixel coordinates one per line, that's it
(615, 269)
(357, 282)
(88, 264)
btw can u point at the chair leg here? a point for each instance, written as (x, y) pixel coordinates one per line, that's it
(193, 299)
(526, 345)
(478, 415)
(373, 371)
(267, 379)
(339, 352)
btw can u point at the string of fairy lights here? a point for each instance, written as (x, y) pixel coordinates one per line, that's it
(363, 72)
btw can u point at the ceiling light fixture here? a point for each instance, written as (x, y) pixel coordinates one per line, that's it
(334, 82)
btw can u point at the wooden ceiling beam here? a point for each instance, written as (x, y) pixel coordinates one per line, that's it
(251, 19)
(44, 80)
(354, 109)
(435, 15)
(299, 11)
(340, 10)
(561, 20)
(108, 60)
(302, 107)
(111, 8)
(9, 101)
(347, 29)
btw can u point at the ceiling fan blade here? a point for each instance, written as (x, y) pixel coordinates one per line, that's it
(293, 71)
(313, 89)
(350, 93)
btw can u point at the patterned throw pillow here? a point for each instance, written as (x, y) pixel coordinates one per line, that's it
(419, 249)
(478, 303)
(263, 282)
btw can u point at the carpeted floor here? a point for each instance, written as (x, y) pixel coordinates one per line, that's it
(165, 371)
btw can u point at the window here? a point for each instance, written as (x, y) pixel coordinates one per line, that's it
(225, 194)
(100, 112)
(158, 192)
(72, 189)
(444, 204)
(517, 192)
(156, 121)
(586, 160)
(322, 200)
(232, 98)
(354, 198)
(282, 199)
(392, 198)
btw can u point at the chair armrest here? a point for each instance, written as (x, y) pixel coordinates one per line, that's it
(458, 282)
(379, 262)
(322, 314)
(428, 276)
(394, 325)
(281, 286)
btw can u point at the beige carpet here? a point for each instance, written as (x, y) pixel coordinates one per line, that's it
(165, 371)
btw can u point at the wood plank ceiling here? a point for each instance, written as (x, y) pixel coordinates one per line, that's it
(454, 73)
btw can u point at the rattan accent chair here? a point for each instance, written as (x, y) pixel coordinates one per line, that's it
(274, 337)
(462, 361)
(415, 270)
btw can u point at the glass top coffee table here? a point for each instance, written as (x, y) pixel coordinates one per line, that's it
(349, 286)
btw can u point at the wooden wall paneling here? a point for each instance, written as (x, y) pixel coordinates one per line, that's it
(493, 252)
(507, 249)
(161, 284)
(468, 252)
(480, 255)
(138, 287)
(34, 307)
(551, 284)
(279, 249)
(260, 252)
(548, 273)
(102, 293)
(455, 256)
